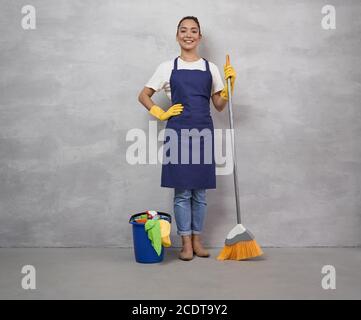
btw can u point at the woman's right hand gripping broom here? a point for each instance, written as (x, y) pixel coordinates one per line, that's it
(162, 115)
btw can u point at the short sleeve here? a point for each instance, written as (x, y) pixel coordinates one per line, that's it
(217, 81)
(158, 80)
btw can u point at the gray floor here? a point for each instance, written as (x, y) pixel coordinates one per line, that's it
(112, 273)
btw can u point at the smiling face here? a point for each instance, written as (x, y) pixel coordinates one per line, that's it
(188, 35)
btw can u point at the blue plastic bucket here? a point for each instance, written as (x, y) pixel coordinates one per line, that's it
(143, 249)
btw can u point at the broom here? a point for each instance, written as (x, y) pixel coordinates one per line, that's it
(240, 243)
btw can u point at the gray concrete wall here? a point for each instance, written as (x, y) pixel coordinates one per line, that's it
(68, 97)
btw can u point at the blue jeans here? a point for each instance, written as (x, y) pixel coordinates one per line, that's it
(190, 208)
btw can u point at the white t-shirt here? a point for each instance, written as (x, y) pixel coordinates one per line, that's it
(161, 77)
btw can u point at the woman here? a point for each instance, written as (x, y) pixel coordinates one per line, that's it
(189, 81)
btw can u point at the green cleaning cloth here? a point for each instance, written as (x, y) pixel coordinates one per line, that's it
(152, 227)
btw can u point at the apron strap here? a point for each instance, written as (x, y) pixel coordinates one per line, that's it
(207, 64)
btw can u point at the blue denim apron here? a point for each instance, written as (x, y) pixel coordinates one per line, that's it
(191, 88)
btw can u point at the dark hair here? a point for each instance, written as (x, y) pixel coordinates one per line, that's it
(195, 19)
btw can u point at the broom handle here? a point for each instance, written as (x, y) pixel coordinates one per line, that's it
(235, 172)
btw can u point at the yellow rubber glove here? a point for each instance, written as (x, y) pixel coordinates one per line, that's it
(229, 72)
(162, 115)
(165, 232)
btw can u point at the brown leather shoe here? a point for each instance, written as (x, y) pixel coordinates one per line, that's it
(198, 248)
(187, 252)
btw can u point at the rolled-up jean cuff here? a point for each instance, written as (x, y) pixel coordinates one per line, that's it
(184, 233)
(196, 232)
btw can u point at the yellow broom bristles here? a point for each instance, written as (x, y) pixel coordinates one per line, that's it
(240, 251)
